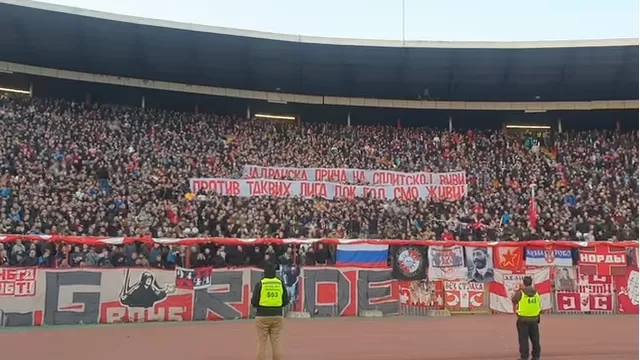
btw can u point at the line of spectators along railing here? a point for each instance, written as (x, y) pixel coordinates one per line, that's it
(59, 255)
(64, 252)
(75, 169)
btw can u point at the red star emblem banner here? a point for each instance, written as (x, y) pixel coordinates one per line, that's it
(508, 257)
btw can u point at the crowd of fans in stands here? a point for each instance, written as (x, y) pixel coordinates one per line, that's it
(75, 169)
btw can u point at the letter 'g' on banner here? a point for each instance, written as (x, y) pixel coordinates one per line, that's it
(65, 297)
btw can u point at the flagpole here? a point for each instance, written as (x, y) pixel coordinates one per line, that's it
(403, 23)
(533, 211)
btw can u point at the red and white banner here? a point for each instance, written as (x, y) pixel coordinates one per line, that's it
(33, 297)
(18, 282)
(464, 295)
(421, 293)
(326, 190)
(603, 260)
(590, 293)
(354, 176)
(198, 278)
(627, 287)
(506, 283)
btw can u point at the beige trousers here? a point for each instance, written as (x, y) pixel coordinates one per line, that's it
(269, 328)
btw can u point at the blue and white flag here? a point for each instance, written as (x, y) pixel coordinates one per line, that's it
(537, 256)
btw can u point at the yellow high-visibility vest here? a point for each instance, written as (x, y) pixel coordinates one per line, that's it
(271, 292)
(529, 306)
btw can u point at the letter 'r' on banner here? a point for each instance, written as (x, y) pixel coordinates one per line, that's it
(33, 296)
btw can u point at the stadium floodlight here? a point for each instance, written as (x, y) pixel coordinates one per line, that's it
(15, 91)
(529, 127)
(275, 117)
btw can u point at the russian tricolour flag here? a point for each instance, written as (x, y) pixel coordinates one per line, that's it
(362, 255)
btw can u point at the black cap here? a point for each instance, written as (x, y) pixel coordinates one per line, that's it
(269, 270)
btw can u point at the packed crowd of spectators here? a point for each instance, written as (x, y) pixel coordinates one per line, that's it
(74, 169)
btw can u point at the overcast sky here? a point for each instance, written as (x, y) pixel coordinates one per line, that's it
(445, 20)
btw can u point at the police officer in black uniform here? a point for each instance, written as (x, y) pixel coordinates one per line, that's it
(269, 297)
(527, 300)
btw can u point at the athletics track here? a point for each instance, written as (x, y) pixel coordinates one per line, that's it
(468, 337)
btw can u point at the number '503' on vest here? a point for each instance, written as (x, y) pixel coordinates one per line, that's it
(271, 292)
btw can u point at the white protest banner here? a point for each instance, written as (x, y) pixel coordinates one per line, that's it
(354, 176)
(311, 189)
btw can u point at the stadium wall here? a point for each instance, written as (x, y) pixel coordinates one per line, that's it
(603, 282)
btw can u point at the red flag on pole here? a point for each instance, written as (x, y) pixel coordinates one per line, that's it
(533, 211)
(172, 216)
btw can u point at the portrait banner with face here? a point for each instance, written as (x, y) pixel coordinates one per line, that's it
(479, 264)
(564, 279)
(447, 263)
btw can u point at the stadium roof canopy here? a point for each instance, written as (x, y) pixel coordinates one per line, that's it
(67, 38)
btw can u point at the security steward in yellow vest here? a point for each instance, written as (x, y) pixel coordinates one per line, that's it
(269, 297)
(527, 300)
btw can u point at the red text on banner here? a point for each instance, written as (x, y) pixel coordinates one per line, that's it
(603, 260)
(18, 282)
(326, 190)
(464, 295)
(591, 293)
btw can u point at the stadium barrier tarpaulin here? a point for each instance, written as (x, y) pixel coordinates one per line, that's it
(594, 285)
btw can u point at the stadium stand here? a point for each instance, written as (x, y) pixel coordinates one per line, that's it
(78, 168)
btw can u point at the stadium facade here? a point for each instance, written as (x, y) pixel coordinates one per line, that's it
(38, 36)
